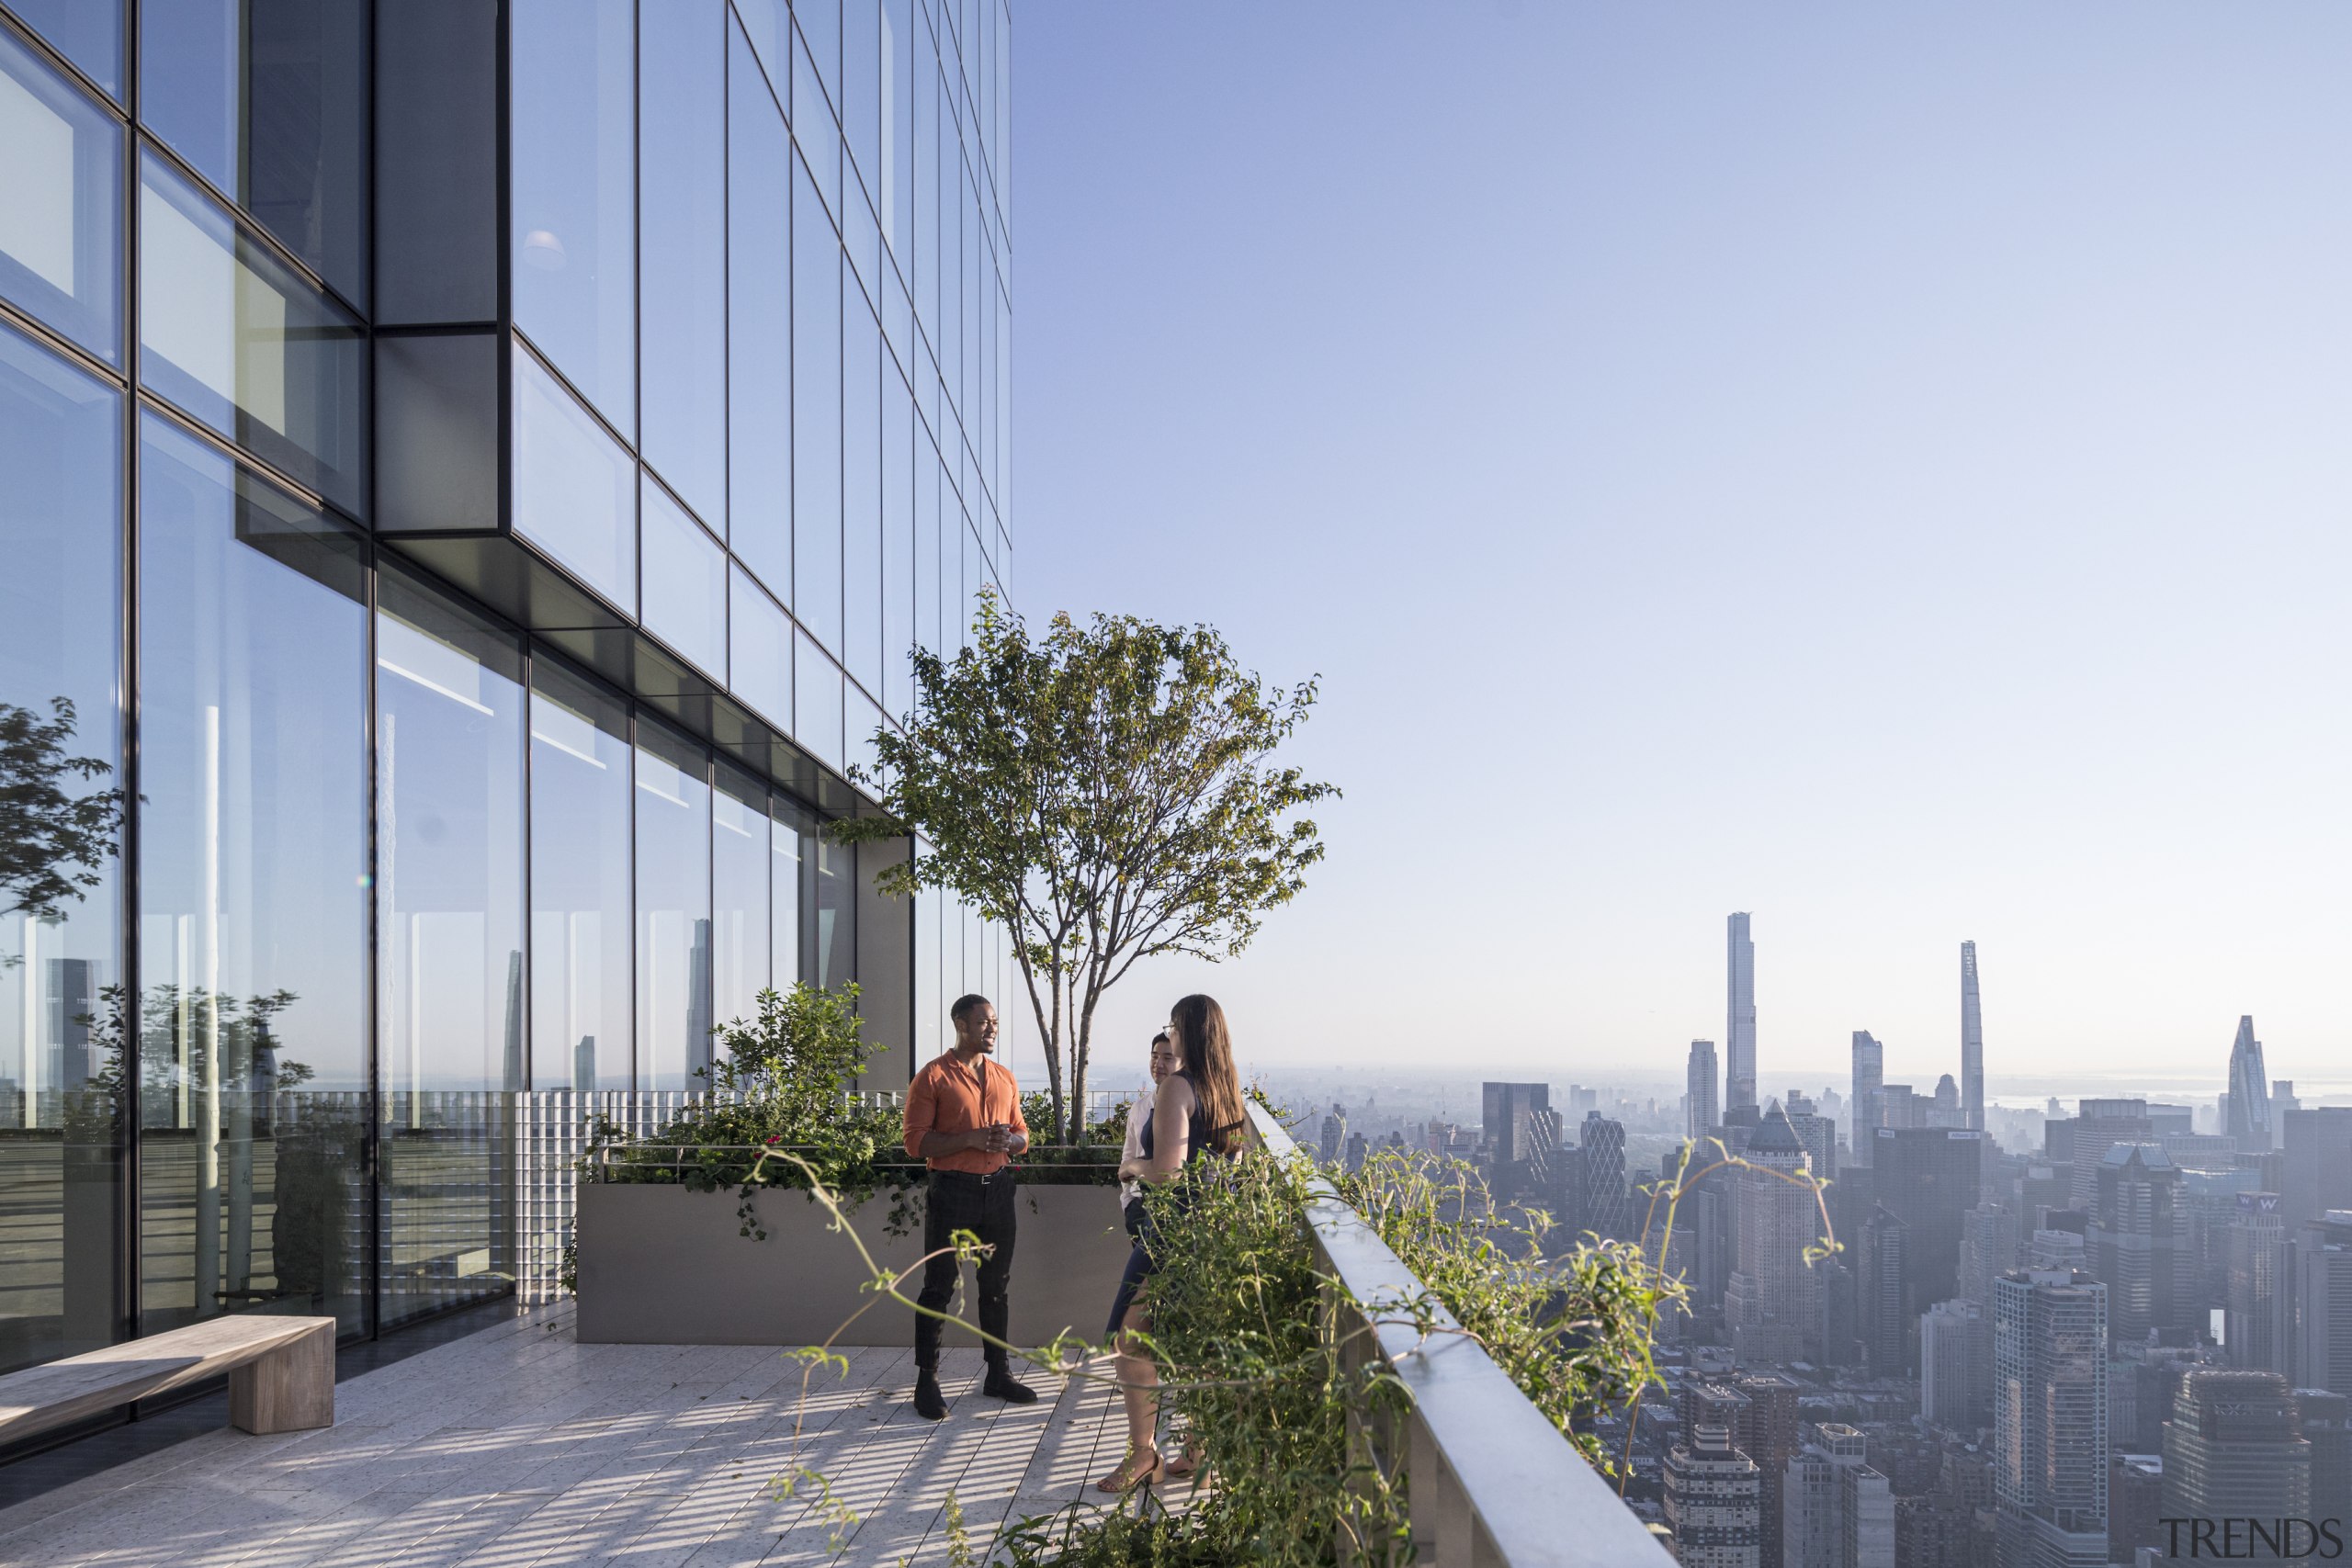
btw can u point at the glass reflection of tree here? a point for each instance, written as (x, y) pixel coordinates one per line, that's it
(52, 840)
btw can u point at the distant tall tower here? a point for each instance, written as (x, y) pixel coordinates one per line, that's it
(1870, 1077)
(1739, 1016)
(2249, 1093)
(1705, 1113)
(1972, 1041)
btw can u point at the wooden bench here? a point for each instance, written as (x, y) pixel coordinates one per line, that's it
(281, 1375)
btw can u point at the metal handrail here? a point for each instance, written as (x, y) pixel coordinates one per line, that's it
(600, 1155)
(1494, 1484)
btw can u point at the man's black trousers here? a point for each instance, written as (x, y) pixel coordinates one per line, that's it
(958, 1200)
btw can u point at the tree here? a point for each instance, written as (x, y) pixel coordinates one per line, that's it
(1104, 791)
(50, 843)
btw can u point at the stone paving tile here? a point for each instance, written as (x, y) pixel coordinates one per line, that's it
(517, 1446)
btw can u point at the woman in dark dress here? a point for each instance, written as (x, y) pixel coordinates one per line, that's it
(1196, 1113)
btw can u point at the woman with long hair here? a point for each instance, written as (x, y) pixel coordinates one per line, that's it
(1196, 1111)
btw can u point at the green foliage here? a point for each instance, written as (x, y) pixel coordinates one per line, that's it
(1239, 1322)
(1106, 793)
(783, 1079)
(51, 841)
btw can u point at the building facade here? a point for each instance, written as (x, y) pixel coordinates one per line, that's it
(1739, 1015)
(1972, 1041)
(1870, 1077)
(2135, 1242)
(475, 475)
(1773, 1302)
(2249, 1102)
(2049, 1418)
(1701, 1112)
(1837, 1512)
(2234, 1448)
(1713, 1502)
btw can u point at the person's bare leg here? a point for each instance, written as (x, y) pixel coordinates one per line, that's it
(1139, 1392)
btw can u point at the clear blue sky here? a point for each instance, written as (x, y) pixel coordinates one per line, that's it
(1882, 467)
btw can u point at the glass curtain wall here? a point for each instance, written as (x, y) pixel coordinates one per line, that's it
(581, 1014)
(253, 870)
(741, 962)
(673, 910)
(450, 726)
(60, 1003)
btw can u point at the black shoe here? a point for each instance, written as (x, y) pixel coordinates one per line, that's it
(1001, 1384)
(930, 1404)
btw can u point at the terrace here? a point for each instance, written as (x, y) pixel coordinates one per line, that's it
(521, 1445)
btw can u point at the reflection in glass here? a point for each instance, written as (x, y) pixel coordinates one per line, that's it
(269, 102)
(861, 86)
(575, 487)
(61, 1054)
(241, 343)
(789, 888)
(832, 960)
(926, 568)
(574, 174)
(685, 582)
(898, 543)
(579, 884)
(759, 661)
(681, 248)
(759, 323)
(450, 743)
(252, 911)
(740, 853)
(894, 196)
(815, 417)
(816, 702)
(931, 1008)
(820, 29)
(88, 32)
(862, 492)
(61, 203)
(864, 721)
(672, 911)
(814, 131)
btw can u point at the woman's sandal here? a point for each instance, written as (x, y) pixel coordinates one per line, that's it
(1127, 1478)
(1184, 1464)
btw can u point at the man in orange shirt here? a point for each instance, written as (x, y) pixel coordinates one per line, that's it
(964, 1121)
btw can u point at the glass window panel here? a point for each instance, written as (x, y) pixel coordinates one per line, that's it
(672, 911)
(61, 203)
(60, 1045)
(814, 130)
(865, 718)
(815, 417)
(860, 98)
(864, 242)
(927, 595)
(242, 344)
(862, 492)
(759, 664)
(931, 1007)
(88, 32)
(581, 1013)
(817, 702)
(685, 582)
(574, 172)
(895, 193)
(574, 486)
(450, 727)
(788, 845)
(768, 25)
(269, 102)
(897, 541)
(897, 319)
(681, 247)
(821, 32)
(833, 962)
(740, 854)
(923, 264)
(758, 324)
(968, 605)
(252, 868)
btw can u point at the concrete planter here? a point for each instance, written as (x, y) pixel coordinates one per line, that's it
(662, 1264)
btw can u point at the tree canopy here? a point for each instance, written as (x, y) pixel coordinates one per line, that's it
(1107, 792)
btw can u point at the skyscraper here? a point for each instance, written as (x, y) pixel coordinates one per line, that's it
(2320, 1278)
(1929, 1178)
(2315, 1164)
(1883, 1295)
(2050, 1443)
(1773, 1303)
(2327, 1427)
(1703, 1111)
(1870, 1077)
(2249, 1091)
(2252, 1323)
(1972, 1041)
(1713, 1501)
(1765, 1430)
(2234, 1449)
(1739, 1019)
(2135, 1243)
(1602, 1167)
